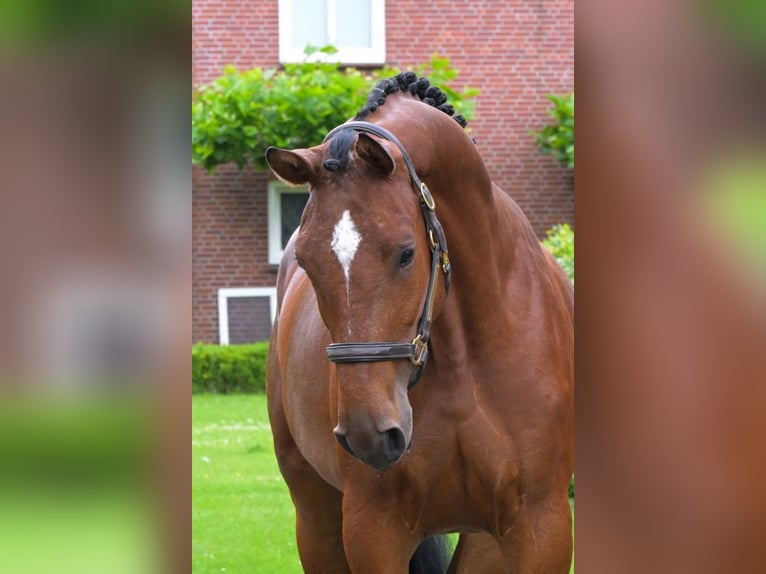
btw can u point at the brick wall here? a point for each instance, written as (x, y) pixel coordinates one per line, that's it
(229, 241)
(238, 32)
(515, 52)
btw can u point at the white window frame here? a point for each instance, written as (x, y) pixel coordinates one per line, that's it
(223, 306)
(276, 189)
(374, 55)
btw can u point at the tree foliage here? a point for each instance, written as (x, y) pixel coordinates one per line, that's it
(237, 116)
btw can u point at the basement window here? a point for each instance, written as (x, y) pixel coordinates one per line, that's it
(245, 314)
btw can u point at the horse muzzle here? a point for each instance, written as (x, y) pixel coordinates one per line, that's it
(379, 449)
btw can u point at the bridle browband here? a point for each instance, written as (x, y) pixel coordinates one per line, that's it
(417, 351)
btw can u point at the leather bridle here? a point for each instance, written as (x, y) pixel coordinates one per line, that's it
(417, 350)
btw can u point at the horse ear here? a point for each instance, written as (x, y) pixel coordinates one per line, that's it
(291, 166)
(373, 152)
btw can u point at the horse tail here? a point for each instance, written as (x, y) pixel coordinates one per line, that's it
(431, 557)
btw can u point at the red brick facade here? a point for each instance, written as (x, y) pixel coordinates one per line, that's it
(514, 52)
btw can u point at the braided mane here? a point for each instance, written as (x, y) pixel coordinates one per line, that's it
(409, 82)
(341, 143)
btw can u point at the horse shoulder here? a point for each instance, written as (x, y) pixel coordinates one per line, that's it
(305, 388)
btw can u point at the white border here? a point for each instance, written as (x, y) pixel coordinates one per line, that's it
(223, 306)
(376, 54)
(277, 188)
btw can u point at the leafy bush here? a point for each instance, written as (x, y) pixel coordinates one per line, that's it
(557, 139)
(229, 369)
(560, 242)
(240, 114)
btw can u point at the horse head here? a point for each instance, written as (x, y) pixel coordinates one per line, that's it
(363, 244)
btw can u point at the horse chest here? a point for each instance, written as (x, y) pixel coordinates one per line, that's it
(491, 478)
(469, 481)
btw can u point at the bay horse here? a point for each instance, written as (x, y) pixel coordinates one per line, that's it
(417, 388)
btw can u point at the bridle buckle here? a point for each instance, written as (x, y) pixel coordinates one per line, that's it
(428, 199)
(421, 351)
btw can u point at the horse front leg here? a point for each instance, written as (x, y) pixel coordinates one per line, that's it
(478, 552)
(318, 514)
(375, 536)
(541, 542)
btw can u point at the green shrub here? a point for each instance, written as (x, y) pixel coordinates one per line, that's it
(557, 138)
(560, 242)
(240, 114)
(229, 369)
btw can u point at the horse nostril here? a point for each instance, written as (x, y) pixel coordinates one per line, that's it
(344, 443)
(394, 443)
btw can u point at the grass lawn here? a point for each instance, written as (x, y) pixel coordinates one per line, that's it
(242, 517)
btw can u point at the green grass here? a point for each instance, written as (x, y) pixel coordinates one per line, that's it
(242, 517)
(571, 504)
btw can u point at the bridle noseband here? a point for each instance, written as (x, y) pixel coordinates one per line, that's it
(417, 350)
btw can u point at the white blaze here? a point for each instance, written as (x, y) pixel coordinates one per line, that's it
(345, 240)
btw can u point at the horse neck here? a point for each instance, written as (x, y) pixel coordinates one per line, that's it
(475, 247)
(490, 241)
(450, 164)
(491, 246)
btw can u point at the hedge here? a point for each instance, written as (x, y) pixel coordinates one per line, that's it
(229, 369)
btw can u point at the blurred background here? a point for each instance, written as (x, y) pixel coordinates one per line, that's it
(95, 284)
(671, 293)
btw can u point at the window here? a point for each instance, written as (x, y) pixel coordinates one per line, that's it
(285, 209)
(356, 27)
(245, 314)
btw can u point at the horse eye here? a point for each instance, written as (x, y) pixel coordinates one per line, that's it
(299, 261)
(406, 258)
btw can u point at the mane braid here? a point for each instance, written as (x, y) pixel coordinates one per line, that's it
(338, 151)
(419, 87)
